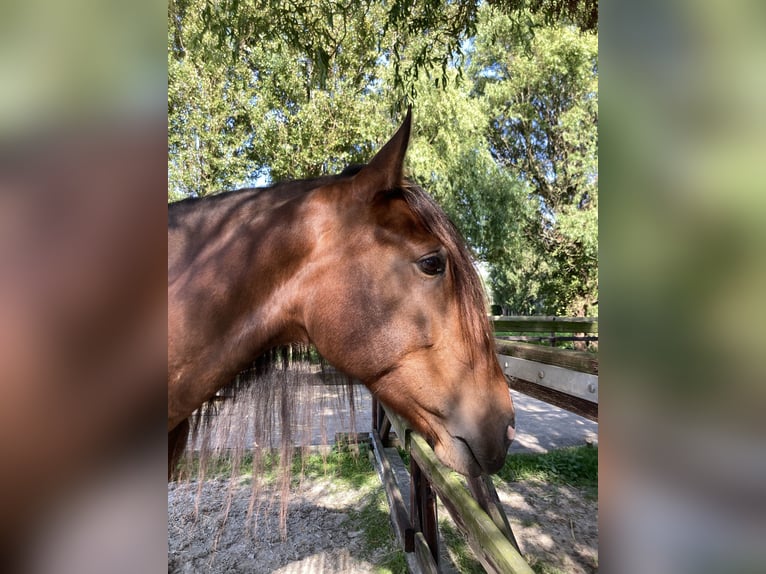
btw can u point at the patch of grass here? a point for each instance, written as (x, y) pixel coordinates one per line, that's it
(459, 551)
(381, 547)
(193, 467)
(351, 469)
(405, 456)
(576, 466)
(545, 568)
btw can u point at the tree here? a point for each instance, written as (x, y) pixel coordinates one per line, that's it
(320, 29)
(516, 172)
(265, 115)
(450, 157)
(543, 128)
(206, 137)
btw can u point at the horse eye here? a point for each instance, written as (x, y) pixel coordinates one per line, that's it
(431, 265)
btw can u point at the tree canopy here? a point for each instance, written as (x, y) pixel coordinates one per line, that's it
(320, 29)
(506, 110)
(543, 113)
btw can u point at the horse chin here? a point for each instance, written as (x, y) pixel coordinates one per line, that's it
(457, 455)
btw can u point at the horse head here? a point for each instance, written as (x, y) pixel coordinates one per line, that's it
(397, 303)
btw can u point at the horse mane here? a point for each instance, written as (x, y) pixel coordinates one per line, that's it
(260, 421)
(472, 299)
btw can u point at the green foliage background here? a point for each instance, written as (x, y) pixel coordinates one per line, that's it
(505, 99)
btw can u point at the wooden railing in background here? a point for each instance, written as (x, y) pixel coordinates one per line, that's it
(549, 330)
(565, 378)
(534, 324)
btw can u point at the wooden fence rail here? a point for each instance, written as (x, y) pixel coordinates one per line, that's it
(562, 377)
(416, 527)
(545, 324)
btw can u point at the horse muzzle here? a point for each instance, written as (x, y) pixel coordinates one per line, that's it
(482, 451)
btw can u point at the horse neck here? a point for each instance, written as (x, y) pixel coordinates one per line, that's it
(231, 269)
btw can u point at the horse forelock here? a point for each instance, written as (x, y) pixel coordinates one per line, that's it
(471, 298)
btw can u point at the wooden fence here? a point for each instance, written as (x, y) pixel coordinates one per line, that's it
(564, 378)
(568, 379)
(553, 330)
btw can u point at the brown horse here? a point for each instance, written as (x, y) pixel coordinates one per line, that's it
(363, 265)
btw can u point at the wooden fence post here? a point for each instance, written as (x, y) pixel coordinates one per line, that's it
(423, 508)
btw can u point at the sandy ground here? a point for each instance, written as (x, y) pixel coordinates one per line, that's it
(321, 537)
(555, 526)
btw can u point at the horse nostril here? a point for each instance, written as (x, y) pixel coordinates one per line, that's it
(511, 432)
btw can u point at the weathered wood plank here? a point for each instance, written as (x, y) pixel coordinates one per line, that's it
(545, 324)
(484, 492)
(573, 383)
(575, 360)
(492, 548)
(423, 508)
(556, 398)
(400, 517)
(425, 559)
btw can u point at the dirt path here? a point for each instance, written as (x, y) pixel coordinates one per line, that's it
(556, 527)
(322, 537)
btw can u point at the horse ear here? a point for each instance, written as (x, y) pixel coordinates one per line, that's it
(385, 170)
